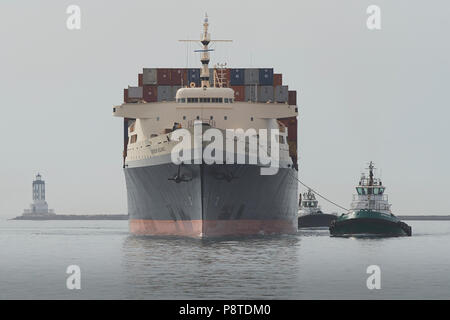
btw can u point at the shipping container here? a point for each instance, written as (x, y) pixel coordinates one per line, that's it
(237, 77)
(211, 77)
(193, 76)
(291, 124)
(281, 94)
(251, 76)
(150, 93)
(177, 77)
(140, 80)
(184, 78)
(239, 93)
(125, 138)
(277, 79)
(149, 76)
(266, 77)
(292, 100)
(292, 130)
(125, 95)
(135, 92)
(164, 93)
(163, 76)
(251, 93)
(174, 90)
(265, 93)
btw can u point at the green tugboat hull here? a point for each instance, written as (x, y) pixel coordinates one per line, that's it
(369, 223)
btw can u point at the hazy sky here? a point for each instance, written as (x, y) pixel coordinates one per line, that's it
(363, 95)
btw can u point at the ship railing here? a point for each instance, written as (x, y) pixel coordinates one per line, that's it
(364, 197)
(366, 205)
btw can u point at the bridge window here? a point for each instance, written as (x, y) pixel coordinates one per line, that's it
(226, 100)
(225, 118)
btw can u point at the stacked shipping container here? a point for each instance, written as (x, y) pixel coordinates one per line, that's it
(257, 85)
(249, 84)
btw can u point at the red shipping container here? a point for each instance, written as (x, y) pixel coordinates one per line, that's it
(140, 80)
(163, 77)
(292, 130)
(125, 95)
(292, 98)
(178, 77)
(277, 79)
(291, 124)
(125, 138)
(150, 93)
(239, 93)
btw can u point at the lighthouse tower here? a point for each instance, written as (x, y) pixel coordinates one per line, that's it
(39, 205)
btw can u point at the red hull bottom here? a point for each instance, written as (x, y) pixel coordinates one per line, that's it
(211, 228)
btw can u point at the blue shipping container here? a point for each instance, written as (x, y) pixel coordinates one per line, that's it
(237, 77)
(194, 76)
(266, 77)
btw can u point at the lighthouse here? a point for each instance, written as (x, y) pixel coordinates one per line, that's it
(39, 207)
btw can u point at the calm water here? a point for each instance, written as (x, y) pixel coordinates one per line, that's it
(310, 265)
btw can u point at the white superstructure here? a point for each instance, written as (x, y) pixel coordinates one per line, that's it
(370, 194)
(309, 204)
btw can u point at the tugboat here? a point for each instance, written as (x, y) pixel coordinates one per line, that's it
(310, 215)
(370, 213)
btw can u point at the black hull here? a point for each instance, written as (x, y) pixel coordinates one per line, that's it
(370, 227)
(316, 220)
(210, 200)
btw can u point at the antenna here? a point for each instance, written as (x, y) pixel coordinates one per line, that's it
(205, 40)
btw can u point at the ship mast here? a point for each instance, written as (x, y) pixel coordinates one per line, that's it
(370, 189)
(371, 174)
(205, 40)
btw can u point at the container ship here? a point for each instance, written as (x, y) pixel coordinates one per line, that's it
(196, 198)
